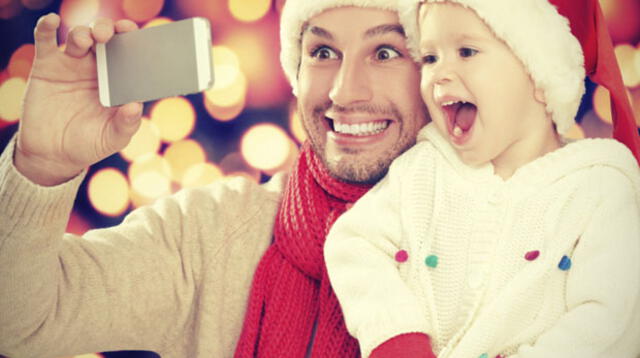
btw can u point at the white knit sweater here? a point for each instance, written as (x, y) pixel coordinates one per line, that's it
(489, 293)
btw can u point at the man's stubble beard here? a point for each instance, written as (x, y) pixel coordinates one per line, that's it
(352, 170)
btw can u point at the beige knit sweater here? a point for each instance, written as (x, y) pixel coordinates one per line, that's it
(173, 278)
(488, 293)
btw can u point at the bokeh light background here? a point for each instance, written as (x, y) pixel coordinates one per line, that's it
(245, 125)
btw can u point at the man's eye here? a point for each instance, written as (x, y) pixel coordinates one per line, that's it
(386, 53)
(429, 59)
(467, 52)
(324, 53)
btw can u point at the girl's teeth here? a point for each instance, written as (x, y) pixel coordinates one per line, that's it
(457, 131)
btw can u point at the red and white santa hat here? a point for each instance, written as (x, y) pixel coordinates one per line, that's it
(559, 42)
(296, 13)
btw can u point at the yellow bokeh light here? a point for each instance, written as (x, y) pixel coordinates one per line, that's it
(295, 124)
(151, 185)
(230, 95)
(145, 141)
(108, 192)
(602, 103)
(150, 178)
(626, 56)
(265, 146)
(79, 12)
(182, 155)
(157, 22)
(140, 11)
(21, 61)
(175, 118)
(36, 4)
(289, 160)
(11, 94)
(149, 163)
(575, 132)
(223, 114)
(249, 10)
(251, 53)
(226, 66)
(234, 163)
(201, 174)
(636, 60)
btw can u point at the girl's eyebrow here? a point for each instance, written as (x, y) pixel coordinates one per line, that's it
(457, 38)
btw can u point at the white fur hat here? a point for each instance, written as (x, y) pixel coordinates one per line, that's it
(539, 36)
(294, 15)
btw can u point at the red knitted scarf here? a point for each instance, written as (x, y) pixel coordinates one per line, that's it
(290, 289)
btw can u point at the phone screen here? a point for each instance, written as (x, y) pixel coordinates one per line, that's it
(153, 63)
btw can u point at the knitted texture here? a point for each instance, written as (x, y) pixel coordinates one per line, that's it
(576, 208)
(291, 290)
(173, 278)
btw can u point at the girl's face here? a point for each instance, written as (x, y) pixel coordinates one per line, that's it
(478, 92)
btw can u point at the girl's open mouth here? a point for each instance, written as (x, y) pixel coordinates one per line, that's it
(460, 116)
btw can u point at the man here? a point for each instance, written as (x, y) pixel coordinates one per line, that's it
(232, 268)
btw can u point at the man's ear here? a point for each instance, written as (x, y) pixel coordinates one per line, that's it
(538, 94)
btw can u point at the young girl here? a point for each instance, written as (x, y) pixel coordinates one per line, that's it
(493, 236)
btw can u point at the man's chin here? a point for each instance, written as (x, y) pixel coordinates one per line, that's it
(357, 172)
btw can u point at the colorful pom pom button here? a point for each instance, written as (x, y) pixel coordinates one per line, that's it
(532, 255)
(431, 261)
(499, 356)
(565, 263)
(484, 355)
(402, 256)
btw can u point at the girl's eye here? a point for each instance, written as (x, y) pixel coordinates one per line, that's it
(386, 53)
(467, 52)
(324, 53)
(429, 59)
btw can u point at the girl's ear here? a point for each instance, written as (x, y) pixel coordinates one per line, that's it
(538, 94)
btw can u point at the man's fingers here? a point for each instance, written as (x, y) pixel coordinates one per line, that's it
(46, 34)
(124, 125)
(79, 41)
(102, 30)
(125, 25)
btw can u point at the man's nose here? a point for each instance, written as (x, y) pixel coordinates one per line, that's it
(351, 84)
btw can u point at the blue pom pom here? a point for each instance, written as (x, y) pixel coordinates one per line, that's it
(565, 263)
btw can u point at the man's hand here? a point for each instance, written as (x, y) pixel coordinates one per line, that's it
(64, 128)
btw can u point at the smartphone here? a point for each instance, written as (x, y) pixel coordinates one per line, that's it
(162, 61)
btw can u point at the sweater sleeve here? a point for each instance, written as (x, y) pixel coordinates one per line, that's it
(360, 255)
(603, 283)
(132, 286)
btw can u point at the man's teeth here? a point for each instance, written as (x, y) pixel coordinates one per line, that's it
(361, 129)
(448, 103)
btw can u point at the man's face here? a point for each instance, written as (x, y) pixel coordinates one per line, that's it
(358, 91)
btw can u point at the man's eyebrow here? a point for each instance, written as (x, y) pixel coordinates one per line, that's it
(372, 32)
(384, 29)
(318, 31)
